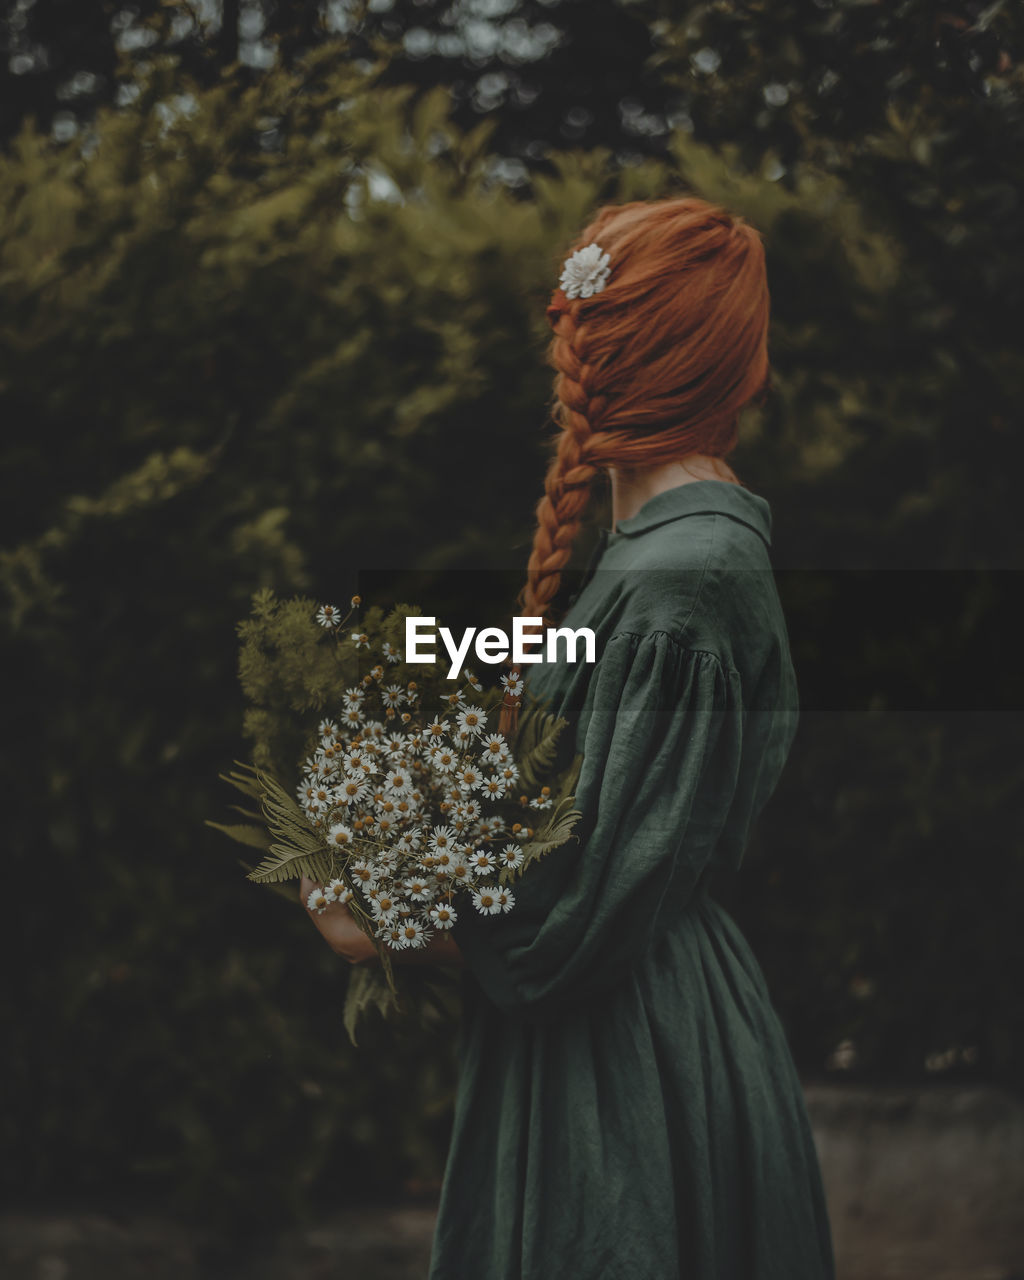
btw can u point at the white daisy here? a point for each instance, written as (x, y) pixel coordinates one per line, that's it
(398, 782)
(460, 870)
(338, 891)
(441, 860)
(472, 720)
(406, 808)
(494, 788)
(443, 759)
(339, 836)
(495, 749)
(418, 888)
(357, 763)
(408, 842)
(486, 900)
(443, 915)
(365, 872)
(513, 684)
(392, 935)
(506, 899)
(511, 856)
(414, 934)
(471, 679)
(392, 695)
(360, 640)
(384, 908)
(354, 697)
(482, 861)
(318, 901)
(350, 792)
(442, 839)
(328, 616)
(585, 272)
(328, 765)
(390, 652)
(469, 777)
(468, 808)
(327, 729)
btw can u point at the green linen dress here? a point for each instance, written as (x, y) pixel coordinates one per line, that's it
(627, 1106)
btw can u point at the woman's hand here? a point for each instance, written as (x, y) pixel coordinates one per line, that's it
(343, 935)
(339, 927)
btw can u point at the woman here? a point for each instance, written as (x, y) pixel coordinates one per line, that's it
(627, 1103)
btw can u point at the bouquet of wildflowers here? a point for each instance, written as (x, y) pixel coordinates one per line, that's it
(387, 784)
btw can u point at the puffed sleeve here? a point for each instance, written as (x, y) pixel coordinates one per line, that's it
(660, 734)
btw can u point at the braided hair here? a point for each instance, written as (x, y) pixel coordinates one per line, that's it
(653, 367)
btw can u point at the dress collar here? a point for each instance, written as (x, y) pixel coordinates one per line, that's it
(699, 497)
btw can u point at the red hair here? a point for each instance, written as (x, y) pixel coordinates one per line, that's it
(656, 365)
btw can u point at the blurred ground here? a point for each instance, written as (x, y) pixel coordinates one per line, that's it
(374, 1245)
(923, 1184)
(377, 1244)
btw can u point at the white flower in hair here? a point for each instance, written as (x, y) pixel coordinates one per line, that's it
(585, 272)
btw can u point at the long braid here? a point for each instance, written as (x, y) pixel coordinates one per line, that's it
(571, 472)
(568, 483)
(656, 367)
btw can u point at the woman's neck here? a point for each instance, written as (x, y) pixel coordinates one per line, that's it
(631, 487)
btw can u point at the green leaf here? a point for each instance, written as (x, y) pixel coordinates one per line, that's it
(244, 833)
(288, 895)
(536, 743)
(288, 863)
(558, 830)
(298, 850)
(368, 988)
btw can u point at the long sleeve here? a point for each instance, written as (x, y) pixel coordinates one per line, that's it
(661, 734)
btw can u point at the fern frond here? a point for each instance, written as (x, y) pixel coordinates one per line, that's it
(286, 862)
(289, 895)
(536, 744)
(248, 786)
(247, 813)
(555, 832)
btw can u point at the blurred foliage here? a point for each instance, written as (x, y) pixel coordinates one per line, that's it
(572, 72)
(269, 331)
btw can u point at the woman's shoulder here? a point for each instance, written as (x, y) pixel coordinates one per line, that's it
(695, 580)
